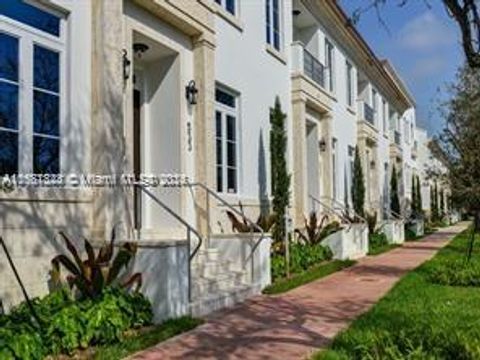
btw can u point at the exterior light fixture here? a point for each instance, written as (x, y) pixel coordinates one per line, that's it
(191, 92)
(322, 145)
(126, 65)
(139, 49)
(296, 12)
(372, 164)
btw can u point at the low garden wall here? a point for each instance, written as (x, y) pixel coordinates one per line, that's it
(349, 243)
(395, 231)
(417, 227)
(237, 248)
(164, 268)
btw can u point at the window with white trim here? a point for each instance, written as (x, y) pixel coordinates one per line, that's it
(349, 69)
(226, 140)
(330, 64)
(229, 5)
(385, 116)
(334, 168)
(273, 23)
(32, 56)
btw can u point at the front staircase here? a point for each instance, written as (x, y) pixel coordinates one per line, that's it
(217, 283)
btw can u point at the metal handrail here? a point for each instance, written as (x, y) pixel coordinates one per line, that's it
(253, 225)
(190, 228)
(330, 209)
(344, 208)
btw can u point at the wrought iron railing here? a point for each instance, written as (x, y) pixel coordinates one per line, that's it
(369, 113)
(313, 68)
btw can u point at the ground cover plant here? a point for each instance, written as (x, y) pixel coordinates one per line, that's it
(419, 318)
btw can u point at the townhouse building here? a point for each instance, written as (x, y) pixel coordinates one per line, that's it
(182, 89)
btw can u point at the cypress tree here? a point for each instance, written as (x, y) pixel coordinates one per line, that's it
(280, 176)
(442, 204)
(419, 197)
(394, 200)
(358, 185)
(435, 202)
(414, 197)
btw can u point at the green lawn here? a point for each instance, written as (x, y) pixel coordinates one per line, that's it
(314, 273)
(146, 339)
(418, 319)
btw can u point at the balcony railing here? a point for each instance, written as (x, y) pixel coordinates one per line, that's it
(305, 62)
(313, 68)
(396, 136)
(369, 113)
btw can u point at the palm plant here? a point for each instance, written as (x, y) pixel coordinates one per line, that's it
(315, 231)
(92, 275)
(264, 222)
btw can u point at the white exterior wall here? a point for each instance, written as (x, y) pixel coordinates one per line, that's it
(243, 64)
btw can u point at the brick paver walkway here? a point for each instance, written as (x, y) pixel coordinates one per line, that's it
(294, 324)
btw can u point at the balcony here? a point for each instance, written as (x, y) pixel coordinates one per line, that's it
(308, 79)
(306, 62)
(397, 137)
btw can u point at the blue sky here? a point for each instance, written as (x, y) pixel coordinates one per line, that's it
(422, 43)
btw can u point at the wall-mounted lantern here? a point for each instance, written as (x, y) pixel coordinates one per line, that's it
(126, 65)
(191, 92)
(139, 49)
(322, 145)
(372, 164)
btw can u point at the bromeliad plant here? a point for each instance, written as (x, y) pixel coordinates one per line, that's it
(316, 231)
(92, 275)
(264, 222)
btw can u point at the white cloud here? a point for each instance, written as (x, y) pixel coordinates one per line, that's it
(426, 32)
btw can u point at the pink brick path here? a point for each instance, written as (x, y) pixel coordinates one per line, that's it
(294, 324)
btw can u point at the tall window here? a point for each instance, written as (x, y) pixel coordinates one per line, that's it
(226, 115)
(228, 5)
(329, 64)
(374, 103)
(31, 73)
(349, 69)
(385, 115)
(272, 22)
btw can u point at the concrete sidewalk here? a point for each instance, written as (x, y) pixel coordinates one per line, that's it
(294, 324)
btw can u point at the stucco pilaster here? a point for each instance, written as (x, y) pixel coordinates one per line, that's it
(204, 70)
(299, 177)
(107, 141)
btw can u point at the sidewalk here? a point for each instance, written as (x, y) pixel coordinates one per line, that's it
(294, 324)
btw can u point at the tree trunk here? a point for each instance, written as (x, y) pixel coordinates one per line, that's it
(475, 229)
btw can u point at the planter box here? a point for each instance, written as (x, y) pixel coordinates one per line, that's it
(395, 231)
(418, 227)
(349, 243)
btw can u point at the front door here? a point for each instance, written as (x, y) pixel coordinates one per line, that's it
(137, 159)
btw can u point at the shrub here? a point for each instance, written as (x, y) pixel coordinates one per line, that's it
(315, 230)
(302, 257)
(409, 233)
(377, 240)
(90, 276)
(68, 325)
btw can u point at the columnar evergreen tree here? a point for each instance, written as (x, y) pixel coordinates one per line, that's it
(280, 176)
(419, 197)
(394, 199)
(432, 204)
(442, 204)
(413, 203)
(358, 185)
(435, 213)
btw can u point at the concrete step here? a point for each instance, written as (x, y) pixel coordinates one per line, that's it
(216, 301)
(204, 285)
(211, 268)
(205, 256)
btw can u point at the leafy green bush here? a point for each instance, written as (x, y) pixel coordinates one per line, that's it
(377, 240)
(68, 325)
(302, 257)
(409, 234)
